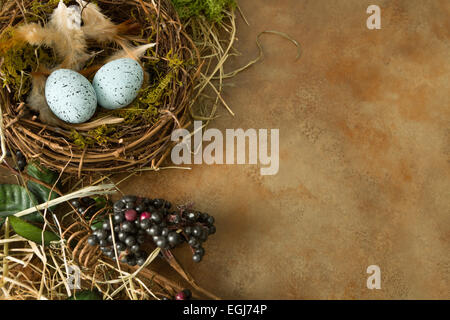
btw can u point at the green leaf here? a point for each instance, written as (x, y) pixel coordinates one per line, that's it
(31, 232)
(100, 202)
(86, 295)
(14, 198)
(45, 175)
(97, 225)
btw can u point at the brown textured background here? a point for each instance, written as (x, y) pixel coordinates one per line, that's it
(364, 157)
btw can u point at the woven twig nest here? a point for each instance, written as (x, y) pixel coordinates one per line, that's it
(131, 143)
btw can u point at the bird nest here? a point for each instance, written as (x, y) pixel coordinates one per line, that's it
(112, 141)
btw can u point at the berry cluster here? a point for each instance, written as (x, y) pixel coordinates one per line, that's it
(136, 220)
(85, 206)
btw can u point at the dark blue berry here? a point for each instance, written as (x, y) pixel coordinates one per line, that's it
(212, 230)
(156, 217)
(93, 240)
(173, 238)
(145, 224)
(200, 251)
(130, 241)
(75, 203)
(196, 231)
(193, 242)
(122, 235)
(129, 198)
(101, 234)
(127, 226)
(120, 246)
(119, 205)
(211, 220)
(197, 258)
(154, 231)
(118, 218)
(161, 242)
(140, 261)
(135, 248)
(158, 203)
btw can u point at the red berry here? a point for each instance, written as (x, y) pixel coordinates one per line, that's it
(145, 215)
(180, 296)
(130, 215)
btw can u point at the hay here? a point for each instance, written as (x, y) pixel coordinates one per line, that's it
(32, 271)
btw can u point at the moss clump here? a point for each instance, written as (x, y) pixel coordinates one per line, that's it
(79, 140)
(101, 135)
(18, 60)
(152, 96)
(211, 9)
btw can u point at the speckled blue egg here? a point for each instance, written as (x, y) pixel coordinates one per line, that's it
(118, 82)
(70, 96)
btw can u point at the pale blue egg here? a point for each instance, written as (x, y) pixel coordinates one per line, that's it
(118, 82)
(70, 96)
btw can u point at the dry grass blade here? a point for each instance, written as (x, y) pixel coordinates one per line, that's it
(103, 189)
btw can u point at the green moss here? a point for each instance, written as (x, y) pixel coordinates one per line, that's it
(79, 140)
(101, 135)
(173, 60)
(19, 60)
(152, 96)
(211, 9)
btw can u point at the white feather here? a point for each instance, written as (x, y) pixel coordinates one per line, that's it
(131, 52)
(71, 42)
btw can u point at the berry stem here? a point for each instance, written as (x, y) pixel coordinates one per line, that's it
(173, 262)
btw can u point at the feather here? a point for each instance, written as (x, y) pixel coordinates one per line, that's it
(37, 102)
(97, 26)
(35, 34)
(69, 42)
(63, 33)
(131, 52)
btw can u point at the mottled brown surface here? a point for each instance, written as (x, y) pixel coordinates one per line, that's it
(364, 157)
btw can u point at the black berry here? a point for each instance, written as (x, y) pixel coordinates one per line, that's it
(93, 240)
(130, 241)
(118, 218)
(127, 226)
(197, 258)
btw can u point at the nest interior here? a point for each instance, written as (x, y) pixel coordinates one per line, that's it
(113, 141)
